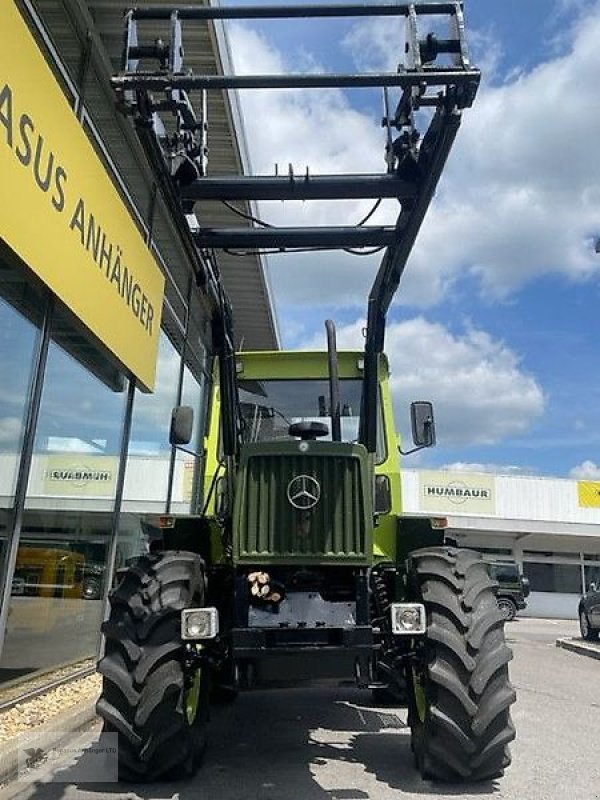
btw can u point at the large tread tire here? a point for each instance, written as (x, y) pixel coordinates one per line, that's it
(144, 685)
(462, 726)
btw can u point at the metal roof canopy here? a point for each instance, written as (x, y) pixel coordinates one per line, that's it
(446, 85)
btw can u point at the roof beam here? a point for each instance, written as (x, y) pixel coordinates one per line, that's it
(293, 11)
(282, 238)
(301, 187)
(154, 82)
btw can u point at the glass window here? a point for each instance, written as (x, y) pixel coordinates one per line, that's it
(56, 607)
(18, 343)
(505, 573)
(495, 551)
(21, 310)
(78, 437)
(189, 470)
(147, 475)
(546, 577)
(550, 554)
(592, 576)
(56, 603)
(269, 407)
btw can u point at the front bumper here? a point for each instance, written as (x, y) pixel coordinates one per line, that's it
(251, 642)
(287, 656)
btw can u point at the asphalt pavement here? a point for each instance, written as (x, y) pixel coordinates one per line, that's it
(332, 744)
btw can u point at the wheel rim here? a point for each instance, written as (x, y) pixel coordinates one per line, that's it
(506, 609)
(583, 624)
(192, 697)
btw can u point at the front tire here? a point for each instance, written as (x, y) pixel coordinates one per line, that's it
(156, 705)
(459, 691)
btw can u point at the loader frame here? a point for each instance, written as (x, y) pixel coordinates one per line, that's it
(180, 156)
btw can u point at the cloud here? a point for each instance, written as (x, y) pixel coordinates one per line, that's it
(519, 198)
(522, 190)
(492, 469)
(481, 393)
(321, 130)
(586, 471)
(10, 430)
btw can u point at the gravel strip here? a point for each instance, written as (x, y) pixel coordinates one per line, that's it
(27, 716)
(15, 688)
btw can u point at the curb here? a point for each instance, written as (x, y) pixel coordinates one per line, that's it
(579, 646)
(57, 730)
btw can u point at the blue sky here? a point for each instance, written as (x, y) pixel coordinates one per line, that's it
(496, 319)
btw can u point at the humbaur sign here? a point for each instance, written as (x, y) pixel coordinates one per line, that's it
(461, 493)
(78, 475)
(65, 218)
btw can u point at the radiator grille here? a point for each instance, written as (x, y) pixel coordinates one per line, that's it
(269, 527)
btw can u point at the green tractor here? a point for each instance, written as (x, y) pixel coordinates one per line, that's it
(302, 565)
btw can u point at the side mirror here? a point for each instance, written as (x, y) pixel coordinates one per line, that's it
(423, 424)
(593, 587)
(182, 425)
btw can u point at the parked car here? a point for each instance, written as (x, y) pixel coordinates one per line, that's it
(512, 589)
(589, 613)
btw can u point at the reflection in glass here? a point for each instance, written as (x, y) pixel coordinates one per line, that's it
(78, 437)
(21, 309)
(548, 577)
(18, 342)
(188, 474)
(56, 606)
(147, 474)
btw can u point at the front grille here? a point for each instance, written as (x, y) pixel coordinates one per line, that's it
(269, 527)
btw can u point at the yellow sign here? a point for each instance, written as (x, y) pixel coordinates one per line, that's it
(62, 214)
(589, 494)
(80, 475)
(457, 492)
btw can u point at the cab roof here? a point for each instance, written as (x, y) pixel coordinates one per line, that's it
(290, 364)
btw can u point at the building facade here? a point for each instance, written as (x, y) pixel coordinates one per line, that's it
(103, 329)
(549, 526)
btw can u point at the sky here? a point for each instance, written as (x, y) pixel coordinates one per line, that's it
(496, 316)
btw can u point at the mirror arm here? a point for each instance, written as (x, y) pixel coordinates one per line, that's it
(188, 451)
(414, 450)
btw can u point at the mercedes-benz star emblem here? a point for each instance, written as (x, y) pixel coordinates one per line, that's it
(304, 492)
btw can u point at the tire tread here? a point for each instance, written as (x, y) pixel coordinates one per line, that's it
(142, 674)
(468, 728)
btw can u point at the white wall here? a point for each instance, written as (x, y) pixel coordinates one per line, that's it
(516, 497)
(551, 605)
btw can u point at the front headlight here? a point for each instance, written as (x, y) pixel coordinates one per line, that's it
(408, 618)
(199, 623)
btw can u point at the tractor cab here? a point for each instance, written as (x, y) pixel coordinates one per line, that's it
(285, 401)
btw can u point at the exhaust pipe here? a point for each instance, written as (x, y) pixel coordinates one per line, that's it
(334, 383)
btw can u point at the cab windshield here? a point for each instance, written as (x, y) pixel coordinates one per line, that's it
(269, 407)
